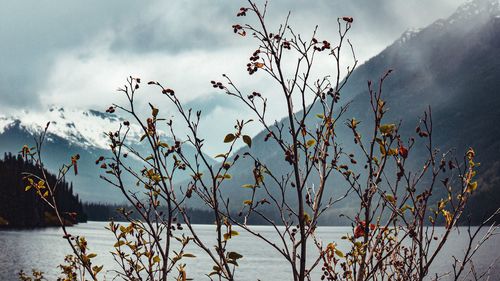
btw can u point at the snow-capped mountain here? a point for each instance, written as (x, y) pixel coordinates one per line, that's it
(75, 132)
(84, 128)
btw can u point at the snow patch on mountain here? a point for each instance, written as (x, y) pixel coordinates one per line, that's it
(476, 10)
(85, 128)
(471, 13)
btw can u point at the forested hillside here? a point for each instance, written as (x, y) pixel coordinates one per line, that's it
(20, 208)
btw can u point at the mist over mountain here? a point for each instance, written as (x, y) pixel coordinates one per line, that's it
(453, 67)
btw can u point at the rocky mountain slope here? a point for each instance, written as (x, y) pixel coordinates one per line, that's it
(453, 65)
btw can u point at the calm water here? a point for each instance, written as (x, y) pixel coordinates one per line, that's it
(45, 249)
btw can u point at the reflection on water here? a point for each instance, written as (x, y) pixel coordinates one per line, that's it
(44, 249)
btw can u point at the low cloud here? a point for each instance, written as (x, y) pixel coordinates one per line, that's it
(76, 54)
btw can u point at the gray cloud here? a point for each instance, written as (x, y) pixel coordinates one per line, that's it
(33, 33)
(72, 54)
(177, 26)
(210, 102)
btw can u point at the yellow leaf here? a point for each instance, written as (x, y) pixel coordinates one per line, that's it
(382, 149)
(310, 143)
(392, 151)
(448, 217)
(230, 234)
(162, 144)
(307, 218)
(156, 259)
(441, 204)
(353, 123)
(97, 269)
(472, 186)
(247, 202)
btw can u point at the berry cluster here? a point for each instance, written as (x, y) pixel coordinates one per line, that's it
(348, 19)
(325, 45)
(242, 12)
(286, 45)
(217, 85)
(253, 95)
(253, 65)
(176, 148)
(333, 94)
(110, 109)
(239, 29)
(168, 91)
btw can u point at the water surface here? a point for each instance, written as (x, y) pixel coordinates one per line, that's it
(44, 249)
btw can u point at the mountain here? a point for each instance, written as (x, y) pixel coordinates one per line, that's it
(76, 132)
(453, 65)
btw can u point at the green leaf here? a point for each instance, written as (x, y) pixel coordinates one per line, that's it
(28, 187)
(188, 255)
(390, 198)
(320, 116)
(234, 255)
(248, 140)
(339, 253)
(229, 138)
(387, 129)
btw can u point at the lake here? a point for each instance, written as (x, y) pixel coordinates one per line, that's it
(45, 249)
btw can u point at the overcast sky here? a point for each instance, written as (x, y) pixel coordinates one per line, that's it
(74, 54)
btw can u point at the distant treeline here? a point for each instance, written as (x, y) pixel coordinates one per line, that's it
(20, 208)
(107, 212)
